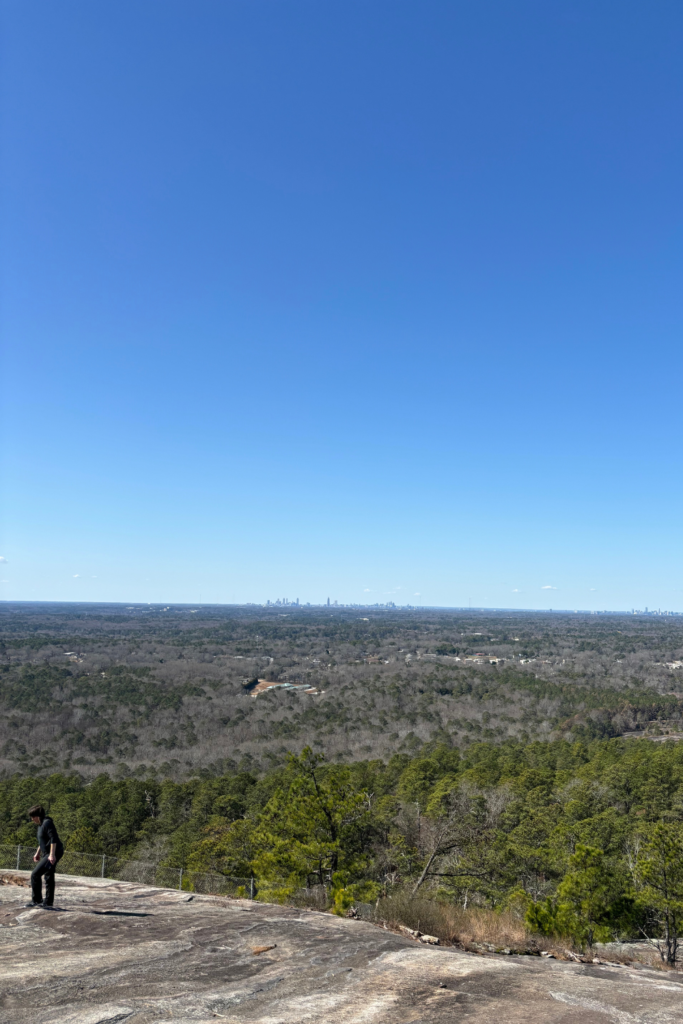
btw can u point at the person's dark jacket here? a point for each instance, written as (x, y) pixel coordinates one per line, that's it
(47, 834)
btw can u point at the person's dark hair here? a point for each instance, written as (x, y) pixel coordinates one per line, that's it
(37, 812)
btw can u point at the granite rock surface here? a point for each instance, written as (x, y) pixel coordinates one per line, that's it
(117, 951)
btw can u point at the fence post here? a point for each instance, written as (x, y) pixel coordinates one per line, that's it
(103, 859)
(180, 883)
(18, 856)
(251, 888)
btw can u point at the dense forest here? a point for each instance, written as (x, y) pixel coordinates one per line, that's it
(519, 763)
(147, 690)
(581, 839)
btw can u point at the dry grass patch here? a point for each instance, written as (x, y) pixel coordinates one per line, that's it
(454, 926)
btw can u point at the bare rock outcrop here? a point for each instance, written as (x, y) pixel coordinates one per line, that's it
(115, 952)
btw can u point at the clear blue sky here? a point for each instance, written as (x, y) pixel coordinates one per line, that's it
(366, 300)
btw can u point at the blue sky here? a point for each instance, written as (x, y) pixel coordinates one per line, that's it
(368, 300)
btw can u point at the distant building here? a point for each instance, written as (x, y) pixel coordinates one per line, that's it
(262, 685)
(481, 659)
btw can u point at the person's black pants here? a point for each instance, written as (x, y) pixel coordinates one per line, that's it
(43, 867)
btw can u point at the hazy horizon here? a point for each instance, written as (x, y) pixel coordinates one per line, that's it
(338, 605)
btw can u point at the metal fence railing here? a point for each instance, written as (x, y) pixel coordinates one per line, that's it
(95, 865)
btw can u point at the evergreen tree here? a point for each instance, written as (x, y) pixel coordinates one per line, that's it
(659, 879)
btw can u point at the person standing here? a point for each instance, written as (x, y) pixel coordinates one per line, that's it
(50, 850)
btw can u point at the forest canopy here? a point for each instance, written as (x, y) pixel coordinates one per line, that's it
(175, 690)
(585, 839)
(526, 763)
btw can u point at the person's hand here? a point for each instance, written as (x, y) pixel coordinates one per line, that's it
(35, 857)
(52, 859)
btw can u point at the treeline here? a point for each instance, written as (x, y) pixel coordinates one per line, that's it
(583, 839)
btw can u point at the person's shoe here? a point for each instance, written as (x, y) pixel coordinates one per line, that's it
(46, 906)
(32, 905)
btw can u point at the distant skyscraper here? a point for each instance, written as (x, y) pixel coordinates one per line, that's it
(328, 602)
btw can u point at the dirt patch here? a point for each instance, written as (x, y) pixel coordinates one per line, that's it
(7, 878)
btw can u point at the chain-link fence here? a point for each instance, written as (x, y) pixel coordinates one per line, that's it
(95, 865)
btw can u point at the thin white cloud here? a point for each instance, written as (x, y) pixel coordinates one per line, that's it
(4, 581)
(548, 588)
(93, 577)
(516, 591)
(76, 576)
(3, 559)
(592, 590)
(417, 594)
(366, 590)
